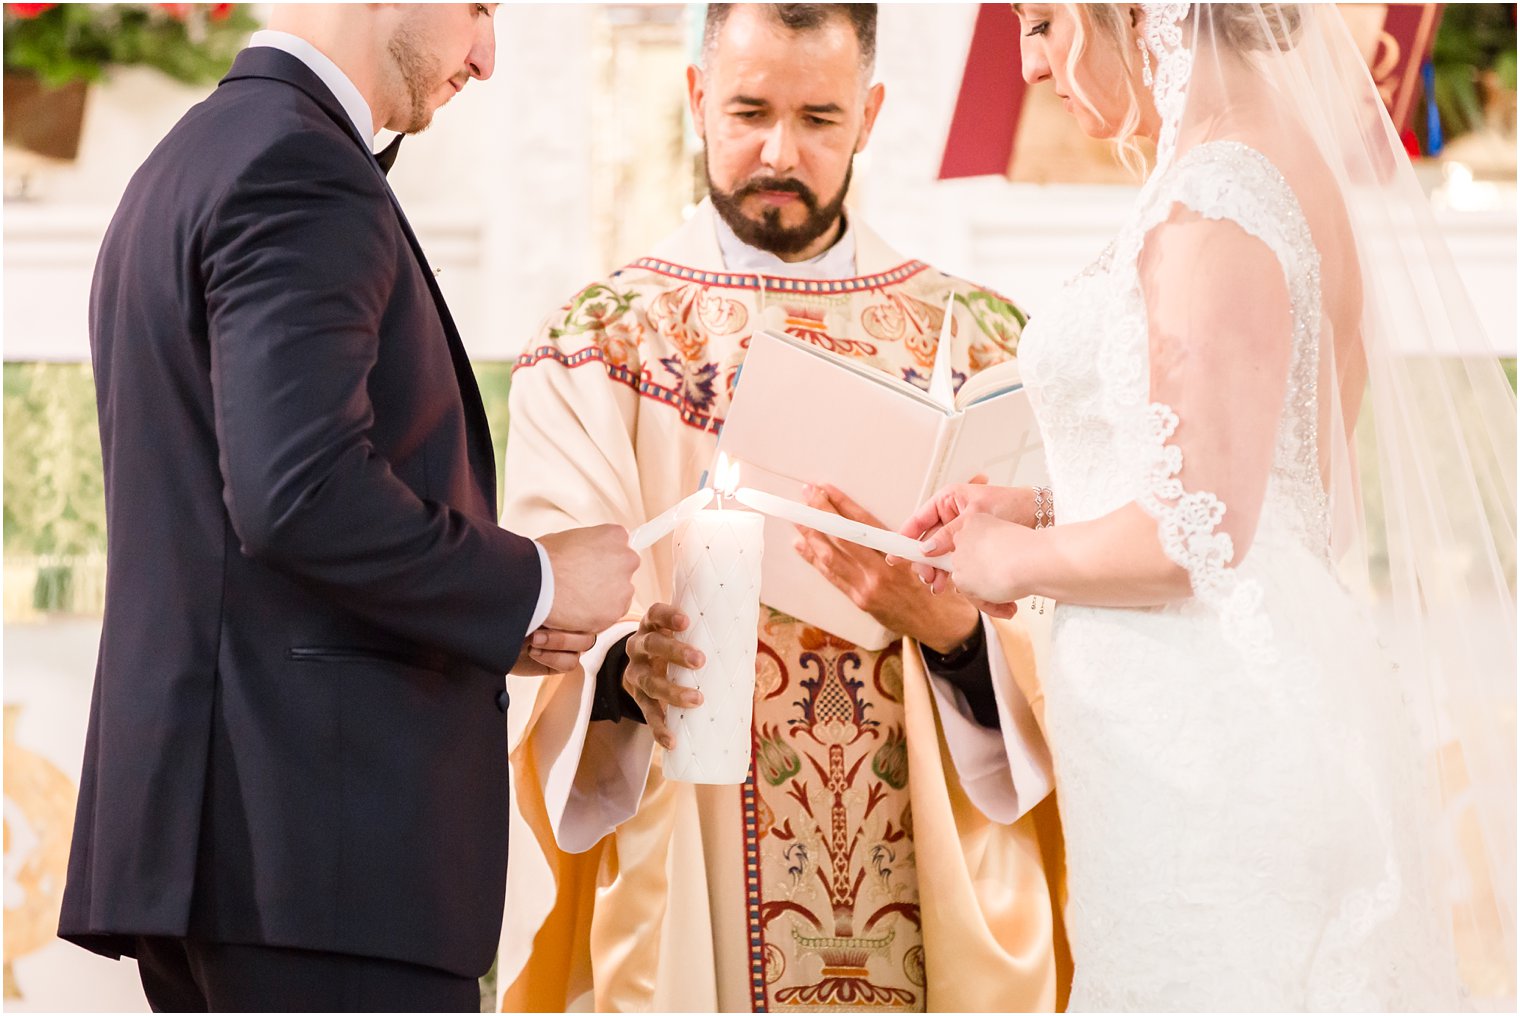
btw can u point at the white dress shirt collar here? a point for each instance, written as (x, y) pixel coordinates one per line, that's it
(838, 262)
(332, 76)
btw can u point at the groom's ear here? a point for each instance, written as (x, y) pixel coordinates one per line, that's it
(696, 96)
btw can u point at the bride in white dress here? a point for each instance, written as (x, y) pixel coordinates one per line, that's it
(1262, 810)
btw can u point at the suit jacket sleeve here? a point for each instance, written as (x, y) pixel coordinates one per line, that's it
(301, 256)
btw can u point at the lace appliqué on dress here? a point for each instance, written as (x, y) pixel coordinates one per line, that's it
(1188, 524)
(1232, 182)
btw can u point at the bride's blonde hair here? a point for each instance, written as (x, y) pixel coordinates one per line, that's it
(1241, 27)
(1108, 25)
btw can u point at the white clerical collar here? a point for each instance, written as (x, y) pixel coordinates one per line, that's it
(838, 262)
(331, 74)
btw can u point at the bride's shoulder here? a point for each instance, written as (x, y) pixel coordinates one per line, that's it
(1230, 180)
(1223, 169)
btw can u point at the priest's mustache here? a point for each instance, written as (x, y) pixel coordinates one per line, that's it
(776, 184)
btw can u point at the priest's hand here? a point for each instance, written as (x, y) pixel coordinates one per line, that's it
(892, 595)
(593, 577)
(651, 651)
(547, 651)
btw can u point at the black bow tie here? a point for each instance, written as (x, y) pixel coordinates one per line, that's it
(387, 155)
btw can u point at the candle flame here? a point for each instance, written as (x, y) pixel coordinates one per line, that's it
(725, 476)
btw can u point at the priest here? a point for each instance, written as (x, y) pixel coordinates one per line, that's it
(895, 847)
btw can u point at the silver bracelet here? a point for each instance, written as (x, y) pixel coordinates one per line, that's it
(1044, 508)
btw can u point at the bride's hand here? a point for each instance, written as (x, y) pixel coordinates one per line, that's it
(989, 552)
(1012, 504)
(957, 501)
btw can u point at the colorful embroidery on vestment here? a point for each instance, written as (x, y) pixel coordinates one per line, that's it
(838, 890)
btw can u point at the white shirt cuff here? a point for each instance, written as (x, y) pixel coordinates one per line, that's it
(545, 592)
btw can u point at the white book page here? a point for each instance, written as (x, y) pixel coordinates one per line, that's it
(996, 379)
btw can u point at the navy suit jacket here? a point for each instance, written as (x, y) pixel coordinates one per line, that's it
(298, 731)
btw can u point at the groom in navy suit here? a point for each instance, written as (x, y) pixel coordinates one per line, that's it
(294, 792)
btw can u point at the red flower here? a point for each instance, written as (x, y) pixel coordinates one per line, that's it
(221, 12)
(28, 11)
(176, 11)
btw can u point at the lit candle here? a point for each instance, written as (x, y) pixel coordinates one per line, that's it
(657, 528)
(717, 586)
(883, 540)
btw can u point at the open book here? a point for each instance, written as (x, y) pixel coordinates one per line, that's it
(801, 415)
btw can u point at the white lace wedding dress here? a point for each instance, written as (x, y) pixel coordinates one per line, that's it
(1232, 769)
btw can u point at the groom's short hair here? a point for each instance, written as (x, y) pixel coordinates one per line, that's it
(802, 18)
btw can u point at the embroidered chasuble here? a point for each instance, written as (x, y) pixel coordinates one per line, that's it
(886, 853)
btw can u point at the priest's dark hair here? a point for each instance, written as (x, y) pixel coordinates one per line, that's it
(803, 18)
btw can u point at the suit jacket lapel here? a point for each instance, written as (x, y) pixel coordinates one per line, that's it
(277, 65)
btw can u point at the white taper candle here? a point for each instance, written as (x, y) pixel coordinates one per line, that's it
(655, 529)
(838, 526)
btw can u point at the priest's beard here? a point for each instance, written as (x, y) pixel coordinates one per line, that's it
(768, 233)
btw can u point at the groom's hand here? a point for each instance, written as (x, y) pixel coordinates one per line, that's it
(593, 578)
(551, 652)
(893, 596)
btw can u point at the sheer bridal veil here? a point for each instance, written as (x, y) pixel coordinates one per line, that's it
(1416, 428)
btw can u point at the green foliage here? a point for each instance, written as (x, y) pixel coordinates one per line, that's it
(54, 491)
(1504, 66)
(193, 43)
(1473, 38)
(495, 380)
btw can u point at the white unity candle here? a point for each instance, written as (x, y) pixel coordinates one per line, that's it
(717, 586)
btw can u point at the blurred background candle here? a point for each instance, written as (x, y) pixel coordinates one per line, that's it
(717, 585)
